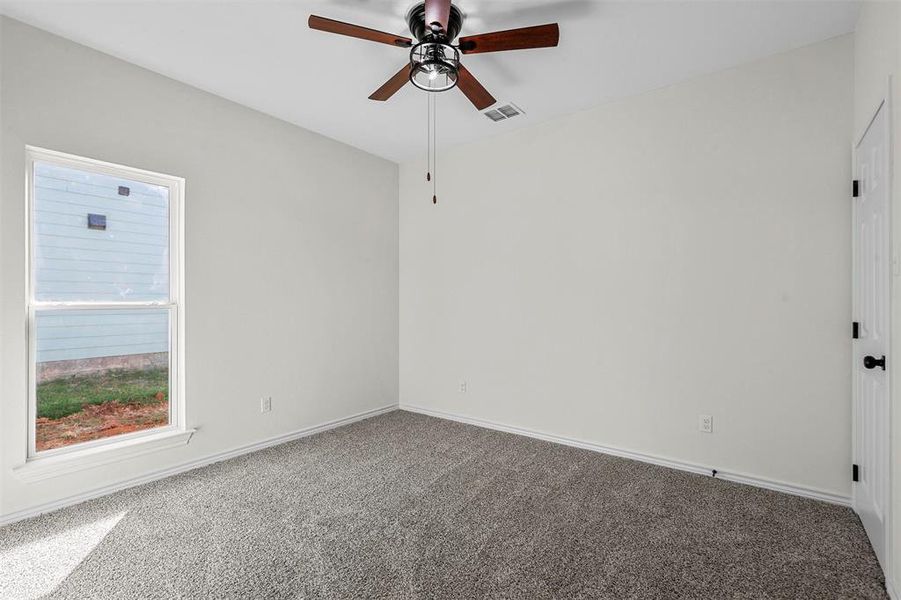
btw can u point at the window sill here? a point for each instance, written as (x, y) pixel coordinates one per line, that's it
(45, 467)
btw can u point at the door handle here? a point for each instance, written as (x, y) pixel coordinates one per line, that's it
(871, 362)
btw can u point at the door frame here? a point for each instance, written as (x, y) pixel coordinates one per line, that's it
(894, 271)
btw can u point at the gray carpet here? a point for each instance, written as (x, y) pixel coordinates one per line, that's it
(407, 506)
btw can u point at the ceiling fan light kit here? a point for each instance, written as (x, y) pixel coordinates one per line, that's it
(434, 64)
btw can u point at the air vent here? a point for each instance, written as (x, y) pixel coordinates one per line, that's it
(503, 112)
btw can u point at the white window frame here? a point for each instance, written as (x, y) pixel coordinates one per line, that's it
(174, 305)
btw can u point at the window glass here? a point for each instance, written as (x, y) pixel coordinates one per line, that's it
(98, 238)
(100, 373)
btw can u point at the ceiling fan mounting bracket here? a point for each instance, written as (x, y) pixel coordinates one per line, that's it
(422, 32)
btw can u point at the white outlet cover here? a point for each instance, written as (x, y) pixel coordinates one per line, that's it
(705, 423)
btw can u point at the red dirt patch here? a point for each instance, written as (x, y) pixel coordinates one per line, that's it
(96, 421)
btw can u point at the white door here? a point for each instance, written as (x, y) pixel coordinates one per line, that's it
(872, 273)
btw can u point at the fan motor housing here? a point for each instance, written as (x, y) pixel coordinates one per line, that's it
(416, 22)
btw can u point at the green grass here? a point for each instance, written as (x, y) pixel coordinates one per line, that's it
(62, 397)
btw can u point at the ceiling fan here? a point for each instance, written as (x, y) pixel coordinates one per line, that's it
(434, 64)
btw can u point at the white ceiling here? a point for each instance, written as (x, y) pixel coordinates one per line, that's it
(261, 54)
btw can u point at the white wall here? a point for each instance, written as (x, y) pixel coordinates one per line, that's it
(611, 275)
(877, 55)
(316, 330)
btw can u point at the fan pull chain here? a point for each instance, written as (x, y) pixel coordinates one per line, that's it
(434, 149)
(428, 137)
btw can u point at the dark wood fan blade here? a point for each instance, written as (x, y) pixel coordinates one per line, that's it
(539, 36)
(437, 11)
(473, 90)
(391, 86)
(364, 33)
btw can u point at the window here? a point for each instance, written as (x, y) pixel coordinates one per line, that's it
(104, 311)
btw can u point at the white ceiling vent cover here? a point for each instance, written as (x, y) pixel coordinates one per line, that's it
(504, 112)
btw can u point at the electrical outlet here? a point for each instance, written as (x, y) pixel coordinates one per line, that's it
(705, 423)
(462, 387)
(265, 404)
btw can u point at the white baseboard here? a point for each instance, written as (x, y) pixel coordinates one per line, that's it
(189, 466)
(656, 460)
(778, 486)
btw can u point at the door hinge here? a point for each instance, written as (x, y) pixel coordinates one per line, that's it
(855, 330)
(855, 188)
(855, 473)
